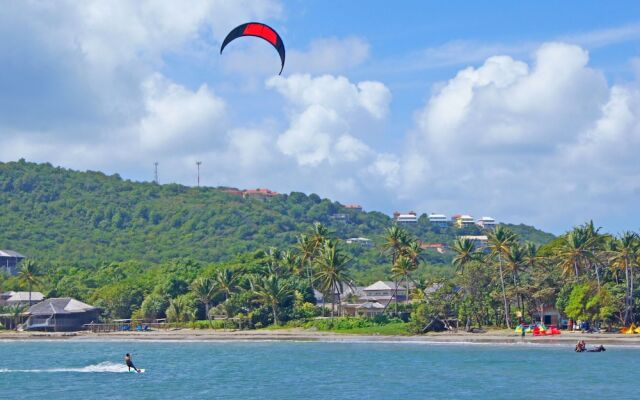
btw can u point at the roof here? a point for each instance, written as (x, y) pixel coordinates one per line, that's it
(64, 305)
(440, 216)
(371, 305)
(16, 297)
(10, 253)
(489, 219)
(479, 237)
(383, 285)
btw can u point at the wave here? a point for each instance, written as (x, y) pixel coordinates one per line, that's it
(106, 366)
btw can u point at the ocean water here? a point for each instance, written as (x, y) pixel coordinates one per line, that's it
(51, 370)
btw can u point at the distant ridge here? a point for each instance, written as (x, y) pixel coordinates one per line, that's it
(58, 215)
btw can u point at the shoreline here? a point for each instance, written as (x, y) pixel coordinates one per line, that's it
(301, 335)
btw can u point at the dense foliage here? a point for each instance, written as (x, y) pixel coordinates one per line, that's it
(63, 217)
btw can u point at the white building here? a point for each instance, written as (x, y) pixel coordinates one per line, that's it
(364, 242)
(479, 241)
(463, 221)
(486, 223)
(20, 298)
(438, 220)
(409, 218)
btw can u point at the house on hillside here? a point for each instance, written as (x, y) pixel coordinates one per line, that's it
(9, 261)
(20, 298)
(439, 220)
(479, 241)
(61, 314)
(405, 218)
(486, 223)
(462, 221)
(354, 207)
(360, 241)
(262, 193)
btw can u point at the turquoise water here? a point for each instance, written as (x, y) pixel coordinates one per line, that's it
(311, 370)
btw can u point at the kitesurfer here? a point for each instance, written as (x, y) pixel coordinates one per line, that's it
(127, 360)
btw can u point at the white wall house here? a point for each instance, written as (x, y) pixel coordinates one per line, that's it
(406, 218)
(364, 242)
(486, 223)
(438, 220)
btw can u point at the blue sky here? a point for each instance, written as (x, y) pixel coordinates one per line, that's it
(524, 111)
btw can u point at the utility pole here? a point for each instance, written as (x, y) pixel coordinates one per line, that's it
(198, 164)
(155, 164)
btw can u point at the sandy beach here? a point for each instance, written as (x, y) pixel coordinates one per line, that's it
(492, 337)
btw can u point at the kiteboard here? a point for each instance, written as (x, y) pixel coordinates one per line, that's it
(140, 371)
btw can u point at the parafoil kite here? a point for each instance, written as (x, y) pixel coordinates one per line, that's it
(260, 30)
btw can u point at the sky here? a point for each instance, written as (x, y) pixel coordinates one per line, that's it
(528, 112)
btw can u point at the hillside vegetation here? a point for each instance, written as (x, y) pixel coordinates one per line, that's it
(59, 216)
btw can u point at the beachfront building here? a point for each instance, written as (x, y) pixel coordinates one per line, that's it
(479, 241)
(439, 220)
(486, 223)
(61, 314)
(405, 218)
(360, 241)
(384, 292)
(368, 309)
(20, 298)
(462, 221)
(9, 261)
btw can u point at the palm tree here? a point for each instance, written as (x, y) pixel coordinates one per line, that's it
(28, 275)
(306, 251)
(273, 291)
(180, 310)
(465, 250)
(319, 234)
(402, 268)
(624, 257)
(226, 280)
(575, 251)
(332, 272)
(530, 255)
(499, 243)
(515, 261)
(272, 264)
(289, 262)
(205, 290)
(395, 240)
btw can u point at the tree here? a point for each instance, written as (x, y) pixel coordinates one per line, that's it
(204, 288)
(272, 291)
(624, 257)
(465, 252)
(226, 280)
(28, 275)
(500, 241)
(395, 240)
(307, 251)
(575, 251)
(332, 273)
(402, 269)
(180, 310)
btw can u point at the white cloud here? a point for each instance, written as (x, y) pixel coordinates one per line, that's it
(176, 117)
(329, 115)
(549, 143)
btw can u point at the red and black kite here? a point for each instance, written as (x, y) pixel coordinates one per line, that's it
(260, 30)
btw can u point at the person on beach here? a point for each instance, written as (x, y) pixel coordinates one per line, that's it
(580, 346)
(127, 360)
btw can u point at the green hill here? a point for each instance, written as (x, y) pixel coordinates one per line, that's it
(60, 216)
